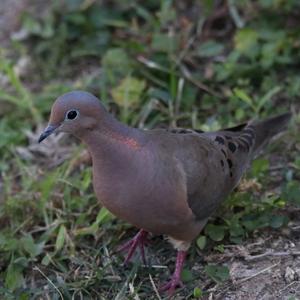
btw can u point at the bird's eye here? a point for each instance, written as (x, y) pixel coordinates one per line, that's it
(72, 114)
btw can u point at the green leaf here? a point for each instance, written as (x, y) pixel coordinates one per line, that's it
(90, 230)
(21, 261)
(246, 42)
(128, 93)
(267, 97)
(116, 65)
(164, 42)
(215, 232)
(73, 5)
(241, 94)
(219, 248)
(160, 94)
(210, 48)
(217, 273)
(236, 239)
(5, 240)
(236, 230)
(278, 221)
(103, 216)
(31, 247)
(14, 276)
(24, 296)
(76, 18)
(254, 220)
(31, 25)
(259, 167)
(46, 260)
(198, 293)
(291, 192)
(61, 237)
(167, 13)
(186, 275)
(201, 242)
(297, 161)
(46, 186)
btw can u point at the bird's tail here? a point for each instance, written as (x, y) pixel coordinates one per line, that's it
(266, 129)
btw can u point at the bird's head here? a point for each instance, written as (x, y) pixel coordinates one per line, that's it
(74, 112)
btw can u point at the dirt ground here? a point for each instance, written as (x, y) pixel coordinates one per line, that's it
(266, 268)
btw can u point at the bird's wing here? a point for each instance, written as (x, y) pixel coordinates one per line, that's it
(221, 166)
(214, 162)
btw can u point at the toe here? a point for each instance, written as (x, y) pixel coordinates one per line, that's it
(171, 286)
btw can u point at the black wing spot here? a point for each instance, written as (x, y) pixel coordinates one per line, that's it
(228, 137)
(198, 131)
(222, 162)
(183, 131)
(231, 175)
(224, 152)
(229, 163)
(220, 140)
(232, 147)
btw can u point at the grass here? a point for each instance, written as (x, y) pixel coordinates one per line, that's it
(153, 64)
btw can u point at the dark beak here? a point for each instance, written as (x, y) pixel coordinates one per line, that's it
(49, 130)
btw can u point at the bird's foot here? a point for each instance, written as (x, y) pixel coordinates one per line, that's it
(140, 240)
(175, 281)
(171, 285)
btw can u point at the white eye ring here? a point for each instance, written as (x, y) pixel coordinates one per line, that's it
(72, 114)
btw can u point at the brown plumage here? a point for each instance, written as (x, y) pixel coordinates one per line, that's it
(162, 181)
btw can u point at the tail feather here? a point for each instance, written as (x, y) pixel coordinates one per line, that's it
(266, 129)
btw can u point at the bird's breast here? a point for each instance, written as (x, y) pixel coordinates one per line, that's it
(145, 196)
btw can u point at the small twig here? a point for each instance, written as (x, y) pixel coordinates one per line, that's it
(154, 287)
(295, 228)
(276, 168)
(159, 267)
(259, 242)
(132, 291)
(256, 274)
(287, 286)
(191, 41)
(179, 95)
(49, 280)
(108, 261)
(187, 75)
(270, 253)
(233, 12)
(197, 83)
(44, 228)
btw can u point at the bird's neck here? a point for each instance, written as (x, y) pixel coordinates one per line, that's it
(112, 138)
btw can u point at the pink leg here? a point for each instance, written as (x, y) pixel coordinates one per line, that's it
(175, 281)
(140, 240)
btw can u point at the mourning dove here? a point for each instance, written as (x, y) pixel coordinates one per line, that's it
(163, 181)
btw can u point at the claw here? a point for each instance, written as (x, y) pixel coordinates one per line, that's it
(125, 246)
(143, 254)
(140, 240)
(171, 286)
